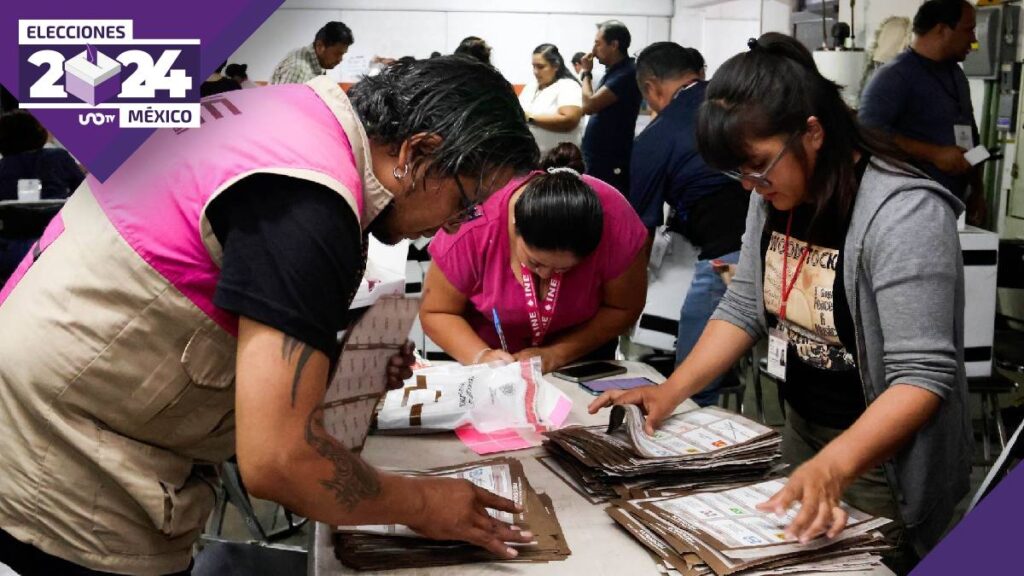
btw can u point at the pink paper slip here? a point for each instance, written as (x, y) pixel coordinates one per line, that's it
(505, 440)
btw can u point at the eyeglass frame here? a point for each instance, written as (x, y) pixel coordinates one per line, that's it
(760, 179)
(469, 209)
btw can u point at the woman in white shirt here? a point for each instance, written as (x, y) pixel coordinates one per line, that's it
(554, 102)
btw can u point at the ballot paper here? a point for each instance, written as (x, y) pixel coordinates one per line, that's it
(361, 375)
(695, 432)
(491, 408)
(723, 532)
(386, 547)
(699, 450)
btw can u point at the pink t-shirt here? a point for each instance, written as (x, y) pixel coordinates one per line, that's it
(476, 260)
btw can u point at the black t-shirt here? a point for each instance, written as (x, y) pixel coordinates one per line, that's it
(293, 256)
(822, 381)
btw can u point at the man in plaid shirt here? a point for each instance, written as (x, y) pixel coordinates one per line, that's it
(305, 63)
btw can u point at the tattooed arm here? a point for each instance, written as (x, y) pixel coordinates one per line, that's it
(286, 455)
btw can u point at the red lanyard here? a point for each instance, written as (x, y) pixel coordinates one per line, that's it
(785, 262)
(540, 315)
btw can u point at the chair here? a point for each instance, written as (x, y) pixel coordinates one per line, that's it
(233, 490)
(989, 389)
(1011, 454)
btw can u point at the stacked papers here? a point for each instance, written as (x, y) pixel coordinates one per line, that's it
(700, 450)
(723, 533)
(387, 547)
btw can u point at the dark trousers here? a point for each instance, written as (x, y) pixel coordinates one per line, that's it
(28, 560)
(611, 171)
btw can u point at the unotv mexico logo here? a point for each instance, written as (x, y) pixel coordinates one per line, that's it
(99, 68)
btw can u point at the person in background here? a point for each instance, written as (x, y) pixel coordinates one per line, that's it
(923, 101)
(563, 155)
(303, 64)
(707, 208)
(612, 107)
(435, 54)
(577, 63)
(851, 266)
(148, 353)
(239, 73)
(474, 47)
(564, 248)
(26, 157)
(553, 101)
(218, 83)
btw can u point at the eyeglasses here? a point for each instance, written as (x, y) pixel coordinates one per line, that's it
(760, 179)
(468, 209)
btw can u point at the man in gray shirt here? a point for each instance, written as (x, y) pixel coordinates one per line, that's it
(922, 99)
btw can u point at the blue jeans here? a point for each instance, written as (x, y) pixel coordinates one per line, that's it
(705, 292)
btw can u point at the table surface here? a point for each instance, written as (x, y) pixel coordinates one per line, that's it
(599, 547)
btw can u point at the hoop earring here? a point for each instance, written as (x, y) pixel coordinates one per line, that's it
(403, 174)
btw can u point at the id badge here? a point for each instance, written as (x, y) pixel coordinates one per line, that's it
(660, 247)
(778, 346)
(964, 136)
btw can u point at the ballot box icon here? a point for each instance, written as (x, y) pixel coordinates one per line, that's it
(92, 76)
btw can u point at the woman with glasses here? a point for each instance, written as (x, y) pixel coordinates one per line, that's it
(851, 268)
(555, 259)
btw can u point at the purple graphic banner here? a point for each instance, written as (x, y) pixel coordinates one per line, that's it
(102, 75)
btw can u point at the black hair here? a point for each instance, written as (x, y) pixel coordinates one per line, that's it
(475, 47)
(21, 132)
(772, 90)
(564, 155)
(578, 57)
(406, 59)
(221, 67)
(615, 31)
(667, 61)
(696, 59)
(553, 57)
(435, 54)
(468, 104)
(334, 33)
(935, 12)
(237, 71)
(560, 212)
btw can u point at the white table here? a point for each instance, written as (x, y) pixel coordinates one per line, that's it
(599, 547)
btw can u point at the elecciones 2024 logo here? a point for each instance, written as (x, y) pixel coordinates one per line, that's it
(100, 69)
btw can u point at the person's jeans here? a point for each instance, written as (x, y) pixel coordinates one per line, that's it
(706, 291)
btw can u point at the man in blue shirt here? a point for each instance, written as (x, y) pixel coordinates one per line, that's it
(922, 99)
(706, 207)
(613, 107)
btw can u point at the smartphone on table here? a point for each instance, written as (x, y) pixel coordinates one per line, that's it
(590, 371)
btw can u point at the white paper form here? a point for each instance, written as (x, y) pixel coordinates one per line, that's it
(690, 433)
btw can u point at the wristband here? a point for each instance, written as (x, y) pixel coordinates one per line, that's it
(480, 354)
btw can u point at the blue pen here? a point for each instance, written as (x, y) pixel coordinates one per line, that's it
(497, 326)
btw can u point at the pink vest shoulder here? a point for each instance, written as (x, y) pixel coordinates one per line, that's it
(156, 200)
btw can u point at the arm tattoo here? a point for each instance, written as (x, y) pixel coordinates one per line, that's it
(353, 480)
(288, 347)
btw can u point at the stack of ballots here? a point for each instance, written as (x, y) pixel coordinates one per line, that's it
(699, 450)
(395, 546)
(722, 533)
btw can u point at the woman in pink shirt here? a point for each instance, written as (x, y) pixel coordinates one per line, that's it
(559, 256)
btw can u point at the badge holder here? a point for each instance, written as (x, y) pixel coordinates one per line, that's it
(778, 347)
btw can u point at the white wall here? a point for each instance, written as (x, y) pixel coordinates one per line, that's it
(396, 28)
(718, 29)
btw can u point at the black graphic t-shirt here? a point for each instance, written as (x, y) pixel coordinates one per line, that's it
(822, 381)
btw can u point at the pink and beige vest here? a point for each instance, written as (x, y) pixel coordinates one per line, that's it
(116, 369)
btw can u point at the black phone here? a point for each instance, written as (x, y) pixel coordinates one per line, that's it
(590, 371)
